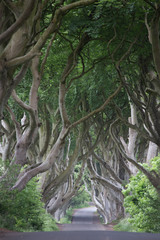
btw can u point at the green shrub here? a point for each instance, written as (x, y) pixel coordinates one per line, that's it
(49, 224)
(24, 211)
(124, 225)
(142, 201)
(68, 217)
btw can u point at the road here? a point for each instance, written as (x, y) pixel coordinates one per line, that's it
(83, 227)
(84, 219)
(80, 235)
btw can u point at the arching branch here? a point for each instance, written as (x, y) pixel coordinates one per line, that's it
(155, 181)
(101, 108)
(103, 181)
(16, 123)
(107, 166)
(14, 27)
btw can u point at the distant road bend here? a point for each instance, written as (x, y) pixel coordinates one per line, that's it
(85, 226)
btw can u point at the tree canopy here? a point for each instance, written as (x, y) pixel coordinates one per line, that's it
(79, 86)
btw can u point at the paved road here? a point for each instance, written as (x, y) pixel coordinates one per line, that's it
(80, 235)
(85, 231)
(84, 219)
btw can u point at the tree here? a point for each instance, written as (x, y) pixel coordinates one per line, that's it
(28, 137)
(83, 77)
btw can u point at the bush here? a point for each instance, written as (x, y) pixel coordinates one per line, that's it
(142, 201)
(24, 211)
(68, 216)
(125, 226)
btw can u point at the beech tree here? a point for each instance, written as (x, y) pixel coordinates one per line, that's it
(79, 84)
(144, 95)
(26, 138)
(136, 92)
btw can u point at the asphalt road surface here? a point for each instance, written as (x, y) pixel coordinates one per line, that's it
(84, 219)
(84, 227)
(80, 235)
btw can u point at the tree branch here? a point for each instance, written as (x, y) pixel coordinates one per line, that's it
(96, 61)
(33, 122)
(63, 175)
(126, 53)
(14, 27)
(53, 26)
(22, 59)
(21, 103)
(101, 108)
(71, 63)
(21, 74)
(150, 4)
(11, 6)
(16, 123)
(100, 179)
(154, 31)
(107, 166)
(152, 179)
(47, 54)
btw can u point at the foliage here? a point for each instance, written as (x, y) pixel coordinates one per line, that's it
(112, 26)
(49, 223)
(24, 211)
(68, 216)
(124, 225)
(81, 199)
(142, 201)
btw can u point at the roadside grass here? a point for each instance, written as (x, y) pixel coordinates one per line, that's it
(68, 217)
(123, 225)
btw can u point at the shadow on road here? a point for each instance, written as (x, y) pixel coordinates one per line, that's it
(80, 235)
